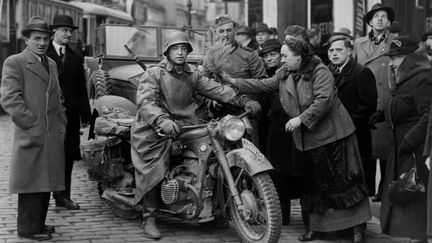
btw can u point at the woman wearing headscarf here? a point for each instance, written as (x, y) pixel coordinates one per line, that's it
(327, 156)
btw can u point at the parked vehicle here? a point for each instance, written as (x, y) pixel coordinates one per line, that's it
(214, 172)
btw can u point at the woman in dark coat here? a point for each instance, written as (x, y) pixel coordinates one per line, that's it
(408, 113)
(335, 196)
(281, 159)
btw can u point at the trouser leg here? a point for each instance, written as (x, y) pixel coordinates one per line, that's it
(151, 204)
(68, 178)
(382, 165)
(32, 212)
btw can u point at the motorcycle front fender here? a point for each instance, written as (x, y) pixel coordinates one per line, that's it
(249, 161)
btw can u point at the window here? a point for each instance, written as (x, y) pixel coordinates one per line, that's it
(4, 21)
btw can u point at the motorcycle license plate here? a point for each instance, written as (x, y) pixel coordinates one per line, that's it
(251, 147)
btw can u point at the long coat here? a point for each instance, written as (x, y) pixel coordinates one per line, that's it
(428, 153)
(32, 97)
(371, 56)
(314, 99)
(408, 112)
(357, 91)
(163, 93)
(73, 85)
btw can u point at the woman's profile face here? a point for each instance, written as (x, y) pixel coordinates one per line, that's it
(291, 60)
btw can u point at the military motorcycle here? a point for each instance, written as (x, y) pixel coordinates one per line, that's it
(214, 172)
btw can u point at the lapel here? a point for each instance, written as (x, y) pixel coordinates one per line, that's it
(373, 52)
(52, 78)
(343, 78)
(292, 93)
(35, 66)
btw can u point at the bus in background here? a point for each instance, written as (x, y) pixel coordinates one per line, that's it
(95, 15)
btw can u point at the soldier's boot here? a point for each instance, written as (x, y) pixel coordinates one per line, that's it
(150, 229)
(149, 220)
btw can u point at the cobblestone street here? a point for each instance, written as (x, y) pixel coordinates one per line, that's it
(95, 222)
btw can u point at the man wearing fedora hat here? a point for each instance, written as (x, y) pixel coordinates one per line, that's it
(244, 36)
(369, 51)
(31, 95)
(73, 84)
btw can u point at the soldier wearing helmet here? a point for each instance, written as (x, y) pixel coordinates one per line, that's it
(166, 100)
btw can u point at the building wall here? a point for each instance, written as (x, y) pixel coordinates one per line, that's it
(343, 14)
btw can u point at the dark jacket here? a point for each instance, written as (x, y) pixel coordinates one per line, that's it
(32, 97)
(313, 98)
(357, 92)
(73, 85)
(408, 113)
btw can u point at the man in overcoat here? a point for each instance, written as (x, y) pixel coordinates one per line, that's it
(356, 90)
(369, 51)
(73, 86)
(31, 95)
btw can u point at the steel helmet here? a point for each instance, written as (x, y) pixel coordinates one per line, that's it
(175, 38)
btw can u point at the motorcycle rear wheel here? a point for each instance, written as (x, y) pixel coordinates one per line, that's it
(260, 199)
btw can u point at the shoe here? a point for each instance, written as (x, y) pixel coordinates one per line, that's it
(38, 237)
(312, 235)
(358, 234)
(67, 203)
(49, 229)
(149, 228)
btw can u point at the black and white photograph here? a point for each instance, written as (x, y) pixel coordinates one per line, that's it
(256, 121)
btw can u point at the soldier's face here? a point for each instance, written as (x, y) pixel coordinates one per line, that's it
(338, 53)
(261, 37)
(291, 60)
(272, 59)
(62, 35)
(178, 53)
(380, 20)
(226, 33)
(38, 42)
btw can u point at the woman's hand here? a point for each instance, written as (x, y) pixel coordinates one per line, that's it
(427, 162)
(292, 124)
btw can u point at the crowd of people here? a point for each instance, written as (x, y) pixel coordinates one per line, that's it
(331, 106)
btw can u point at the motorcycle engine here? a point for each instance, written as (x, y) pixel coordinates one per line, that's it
(175, 187)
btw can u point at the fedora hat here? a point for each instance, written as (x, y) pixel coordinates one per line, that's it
(36, 23)
(270, 45)
(377, 7)
(63, 21)
(245, 30)
(402, 46)
(261, 27)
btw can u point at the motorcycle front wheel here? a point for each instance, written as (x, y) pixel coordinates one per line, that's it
(260, 220)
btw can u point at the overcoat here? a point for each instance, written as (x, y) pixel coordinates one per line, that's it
(428, 153)
(408, 113)
(357, 92)
(314, 99)
(32, 97)
(372, 56)
(164, 93)
(73, 85)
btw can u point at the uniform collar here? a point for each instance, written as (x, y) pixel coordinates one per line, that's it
(172, 68)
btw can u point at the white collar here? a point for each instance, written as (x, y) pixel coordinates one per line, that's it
(343, 65)
(57, 47)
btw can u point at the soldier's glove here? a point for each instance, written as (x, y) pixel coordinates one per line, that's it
(404, 148)
(375, 118)
(253, 107)
(169, 127)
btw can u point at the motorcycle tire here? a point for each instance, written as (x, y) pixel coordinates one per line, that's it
(268, 205)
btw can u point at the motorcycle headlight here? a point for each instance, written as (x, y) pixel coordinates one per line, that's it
(233, 129)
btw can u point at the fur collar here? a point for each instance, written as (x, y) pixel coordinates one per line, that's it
(306, 69)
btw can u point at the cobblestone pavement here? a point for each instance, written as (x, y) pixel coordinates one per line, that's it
(95, 222)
